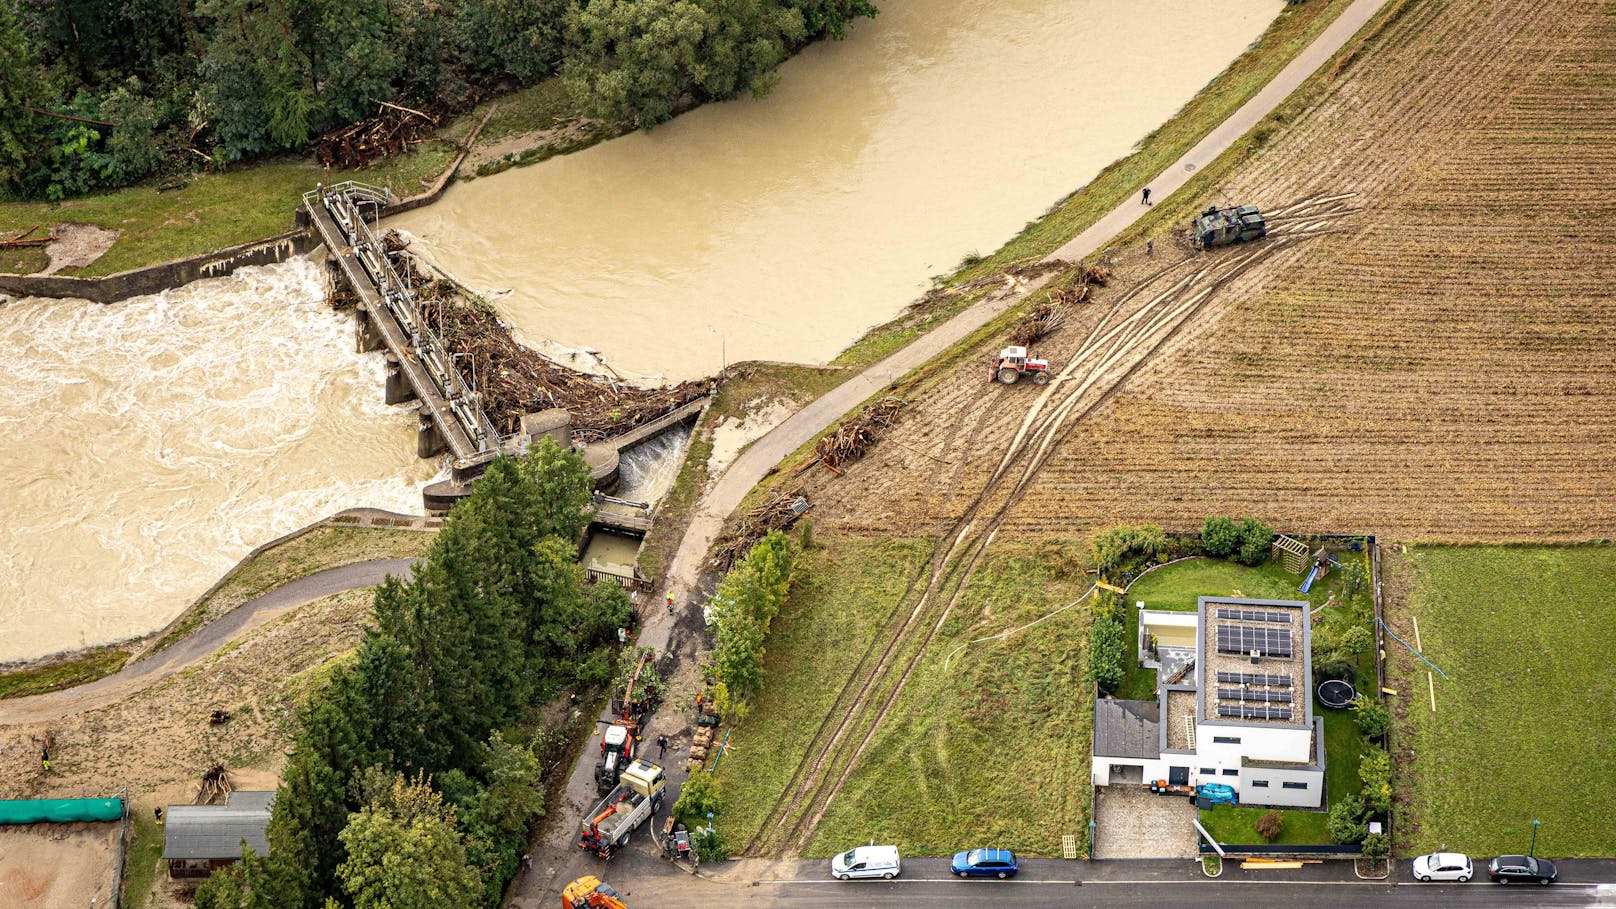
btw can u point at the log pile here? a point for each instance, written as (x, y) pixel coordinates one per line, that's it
(390, 132)
(514, 380)
(778, 512)
(850, 441)
(1047, 318)
(701, 745)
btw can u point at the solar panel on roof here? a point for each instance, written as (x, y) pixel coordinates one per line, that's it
(1252, 694)
(1274, 642)
(1255, 615)
(1254, 678)
(1261, 713)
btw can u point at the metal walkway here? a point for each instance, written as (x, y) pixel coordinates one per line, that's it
(387, 300)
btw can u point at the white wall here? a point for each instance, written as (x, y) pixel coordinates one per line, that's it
(1275, 792)
(1257, 742)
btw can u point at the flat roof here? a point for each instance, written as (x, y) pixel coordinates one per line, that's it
(1254, 666)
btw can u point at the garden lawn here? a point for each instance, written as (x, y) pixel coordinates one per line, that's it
(1522, 728)
(842, 594)
(995, 749)
(1344, 746)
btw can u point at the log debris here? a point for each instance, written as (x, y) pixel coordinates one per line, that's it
(778, 512)
(854, 437)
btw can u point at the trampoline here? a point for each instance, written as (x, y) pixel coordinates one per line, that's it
(1336, 693)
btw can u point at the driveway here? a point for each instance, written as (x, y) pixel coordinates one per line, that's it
(1132, 823)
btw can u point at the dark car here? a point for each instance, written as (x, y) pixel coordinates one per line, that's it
(1510, 869)
(984, 863)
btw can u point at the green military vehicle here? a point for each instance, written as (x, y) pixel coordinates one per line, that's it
(1225, 226)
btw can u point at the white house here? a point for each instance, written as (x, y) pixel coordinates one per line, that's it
(1240, 712)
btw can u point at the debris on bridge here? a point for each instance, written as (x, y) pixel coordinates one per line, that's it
(514, 379)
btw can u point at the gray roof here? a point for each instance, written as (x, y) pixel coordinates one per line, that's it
(217, 831)
(1127, 729)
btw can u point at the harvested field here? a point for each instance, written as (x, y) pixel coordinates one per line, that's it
(1436, 368)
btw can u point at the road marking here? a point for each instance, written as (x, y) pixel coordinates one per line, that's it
(1606, 892)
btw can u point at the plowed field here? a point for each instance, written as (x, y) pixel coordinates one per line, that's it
(1438, 365)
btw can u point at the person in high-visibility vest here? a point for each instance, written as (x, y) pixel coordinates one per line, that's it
(670, 602)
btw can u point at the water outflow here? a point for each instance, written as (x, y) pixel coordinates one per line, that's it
(646, 472)
(150, 444)
(782, 228)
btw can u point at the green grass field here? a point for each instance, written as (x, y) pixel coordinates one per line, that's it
(981, 752)
(1522, 727)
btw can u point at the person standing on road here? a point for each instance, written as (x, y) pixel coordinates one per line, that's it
(670, 602)
(1144, 199)
(662, 746)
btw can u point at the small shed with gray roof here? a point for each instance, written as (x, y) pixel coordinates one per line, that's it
(200, 838)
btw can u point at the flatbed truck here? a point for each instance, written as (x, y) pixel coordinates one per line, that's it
(632, 802)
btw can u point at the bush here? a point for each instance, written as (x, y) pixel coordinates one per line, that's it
(710, 847)
(700, 796)
(1376, 773)
(1269, 826)
(1255, 538)
(1122, 552)
(1373, 717)
(1220, 537)
(1108, 605)
(1376, 845)
(1358, 640)
(1345, 823)
(1108, 649)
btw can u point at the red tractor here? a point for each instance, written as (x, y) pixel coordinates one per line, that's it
(1012, 363)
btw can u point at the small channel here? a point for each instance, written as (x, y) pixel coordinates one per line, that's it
(645, 474)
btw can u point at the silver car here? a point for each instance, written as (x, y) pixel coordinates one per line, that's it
(1442, 866)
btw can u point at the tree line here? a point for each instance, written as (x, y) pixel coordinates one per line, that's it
(104, 93)
(414, 777)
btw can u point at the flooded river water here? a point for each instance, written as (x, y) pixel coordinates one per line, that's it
(783, 228)
(150, 444)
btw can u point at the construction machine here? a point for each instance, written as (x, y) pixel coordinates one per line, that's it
(1226, 226)
(632, 802)
(590, 892)
(617, 745)
(1012, 363)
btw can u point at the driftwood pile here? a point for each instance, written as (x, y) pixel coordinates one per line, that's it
(778, 512)
(854, 437)
(215, 786)
(514, 380)
(23, 241)
(1047, 318)
(390, 132)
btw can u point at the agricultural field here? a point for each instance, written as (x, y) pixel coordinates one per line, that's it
(1521, 727)
(980, 738)
(1421, 349)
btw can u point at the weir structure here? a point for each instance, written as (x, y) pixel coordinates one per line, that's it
(420, 366)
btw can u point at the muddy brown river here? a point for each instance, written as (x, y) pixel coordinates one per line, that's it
(783, 228)
(150, 444)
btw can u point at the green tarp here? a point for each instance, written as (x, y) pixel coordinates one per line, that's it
(60, 811)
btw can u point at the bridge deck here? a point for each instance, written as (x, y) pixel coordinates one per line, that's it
(460, 445)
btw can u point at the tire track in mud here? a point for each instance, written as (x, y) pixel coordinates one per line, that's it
(1112, 351)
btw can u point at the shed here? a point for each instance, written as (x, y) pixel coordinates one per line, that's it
(200, 838)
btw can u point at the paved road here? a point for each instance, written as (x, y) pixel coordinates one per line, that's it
(205, 642)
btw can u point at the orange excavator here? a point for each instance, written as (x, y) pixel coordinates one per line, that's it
(590, 892)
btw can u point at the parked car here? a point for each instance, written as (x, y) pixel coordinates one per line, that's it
(867, 861)
(1000, 863)
(1442, 866)
(1510, 869)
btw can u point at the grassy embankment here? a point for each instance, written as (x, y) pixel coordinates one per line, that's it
(980, 752)
(1176, 587)
(325, 547)
(1521, 728)
(65, 673)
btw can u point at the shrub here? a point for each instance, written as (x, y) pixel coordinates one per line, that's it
(1376, 845)
(1108, 650)
(1373, 717)
(1345, 822)
(1255, 538)
(1220, 537)
(1108, 605)
(1376, 773)
(710, 847)
(1123, 551)
(700, 796)
(1269, 826)
(1357, 640)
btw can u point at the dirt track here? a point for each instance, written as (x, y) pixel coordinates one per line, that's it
(1436, 365)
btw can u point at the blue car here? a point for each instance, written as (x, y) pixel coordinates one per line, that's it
(984, 863)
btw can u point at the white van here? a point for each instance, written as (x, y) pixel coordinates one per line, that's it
(866, 861)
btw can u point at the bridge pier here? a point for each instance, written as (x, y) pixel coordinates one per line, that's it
(368, 333)
(399, 388)
(429, 442)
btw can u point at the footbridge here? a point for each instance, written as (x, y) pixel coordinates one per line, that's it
(420, 366)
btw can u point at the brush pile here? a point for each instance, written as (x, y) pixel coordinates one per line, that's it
(778, 512)
(1047, 318)
(215, 786)
(854, 437)
(514, 380)
(390, 132)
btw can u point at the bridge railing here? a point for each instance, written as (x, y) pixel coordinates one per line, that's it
(465, 404)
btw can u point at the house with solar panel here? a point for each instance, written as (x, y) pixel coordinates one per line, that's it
(1232, 705)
